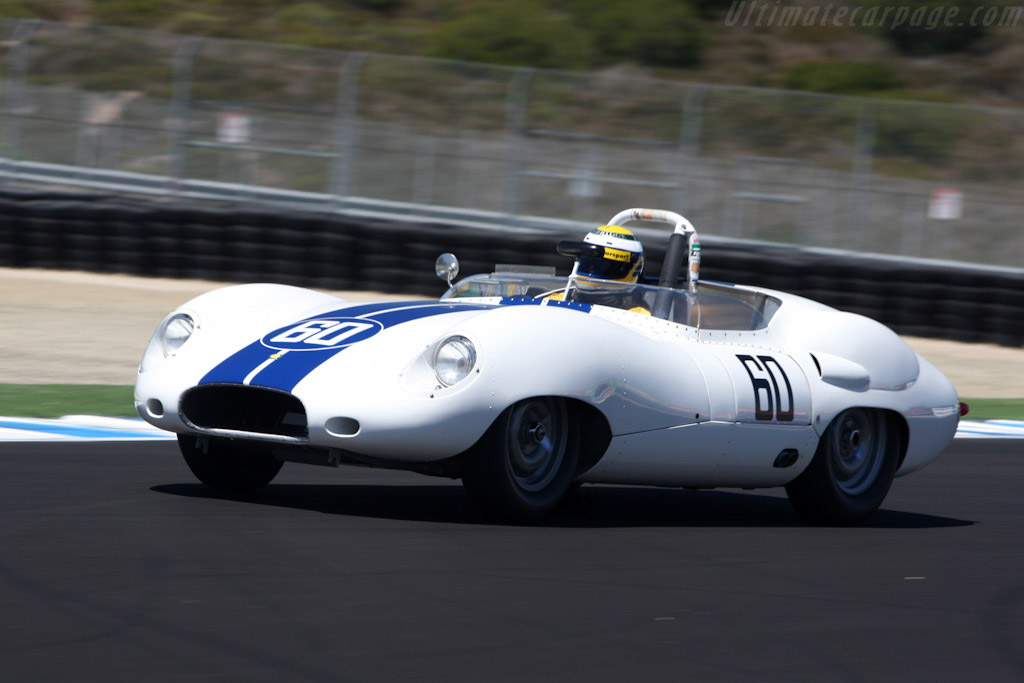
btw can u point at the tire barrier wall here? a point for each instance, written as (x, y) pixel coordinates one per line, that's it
(245, 244)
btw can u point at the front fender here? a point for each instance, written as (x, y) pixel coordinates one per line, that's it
(637, 383)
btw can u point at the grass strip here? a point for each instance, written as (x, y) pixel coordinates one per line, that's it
(995, 408)
(56, 400)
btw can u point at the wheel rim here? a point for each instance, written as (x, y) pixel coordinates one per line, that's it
(537, 438)
(858, 446)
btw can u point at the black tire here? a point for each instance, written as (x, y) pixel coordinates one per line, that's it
(224, 466)
(522, 467)
(851, 472)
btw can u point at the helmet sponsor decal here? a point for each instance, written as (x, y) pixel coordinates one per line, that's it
(617, 254)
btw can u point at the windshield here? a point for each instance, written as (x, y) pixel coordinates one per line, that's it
(711, 307)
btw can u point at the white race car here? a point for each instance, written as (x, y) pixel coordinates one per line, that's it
(521, 391)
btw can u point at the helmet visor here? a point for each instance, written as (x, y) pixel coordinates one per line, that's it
(607, 268)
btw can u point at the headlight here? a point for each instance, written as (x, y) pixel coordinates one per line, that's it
(171, 334)
(176, 332)
(454, 359)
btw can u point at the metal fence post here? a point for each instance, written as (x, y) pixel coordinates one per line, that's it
(863, 162)
(424, 164)
(346, 127)
(85, 137)
(181, 106)
(515, 129)
(689, 144)
(14, 93)
(1020, 233)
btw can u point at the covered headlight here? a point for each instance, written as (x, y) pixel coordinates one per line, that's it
(176, 332)
(454, 359)
(170, 336)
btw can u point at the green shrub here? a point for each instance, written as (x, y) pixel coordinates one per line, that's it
(923, 29)
(651, 32)
(712, 8)
(908, 139)
(926, 135)
(513, 33)
(197, 23)
(309, 24)
(26, 9)
(848, 78)
(139, 13)
(383, 6)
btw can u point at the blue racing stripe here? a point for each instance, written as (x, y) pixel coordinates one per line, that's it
(290, 369)
(526, 301)
(236, 367)
(360, 310)
(572, 305)
(396, 317)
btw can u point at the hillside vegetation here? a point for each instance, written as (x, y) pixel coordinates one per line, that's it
(972, 56)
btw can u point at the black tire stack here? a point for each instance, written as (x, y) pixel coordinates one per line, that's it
(332, 251)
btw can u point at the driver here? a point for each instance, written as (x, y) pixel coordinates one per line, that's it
(607, 271)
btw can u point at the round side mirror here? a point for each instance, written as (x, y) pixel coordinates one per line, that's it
(447, 267)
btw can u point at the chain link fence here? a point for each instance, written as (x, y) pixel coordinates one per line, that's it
(116, 108)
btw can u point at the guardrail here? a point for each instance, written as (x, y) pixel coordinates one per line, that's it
(28, 174)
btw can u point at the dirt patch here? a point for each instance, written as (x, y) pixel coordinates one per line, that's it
(976, 370)
(88, 328)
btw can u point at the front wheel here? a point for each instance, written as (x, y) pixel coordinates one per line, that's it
(225, 466)
(522, 467)
(851, 472)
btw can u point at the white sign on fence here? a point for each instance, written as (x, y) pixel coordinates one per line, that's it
(234, 128)
(946, 205)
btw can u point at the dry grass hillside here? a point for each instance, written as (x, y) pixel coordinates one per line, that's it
(717, 41)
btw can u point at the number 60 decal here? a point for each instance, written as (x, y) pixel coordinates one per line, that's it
(321, 334)
(765, 375)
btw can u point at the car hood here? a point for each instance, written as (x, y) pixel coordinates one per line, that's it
(284, 355)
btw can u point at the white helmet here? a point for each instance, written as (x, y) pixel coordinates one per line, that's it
(623, 258)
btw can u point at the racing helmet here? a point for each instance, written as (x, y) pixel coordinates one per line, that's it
(623, 258)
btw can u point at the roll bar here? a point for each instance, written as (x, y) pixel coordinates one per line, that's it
(683, 240)
(682, 243)
(654, 216)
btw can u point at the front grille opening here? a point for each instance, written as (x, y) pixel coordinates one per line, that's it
(246, 409)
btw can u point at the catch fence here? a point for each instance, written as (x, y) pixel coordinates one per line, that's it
(133, 111)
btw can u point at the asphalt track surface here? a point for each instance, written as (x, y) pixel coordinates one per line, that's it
(115, 565)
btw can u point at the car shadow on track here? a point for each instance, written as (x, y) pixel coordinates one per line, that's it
(587, 507)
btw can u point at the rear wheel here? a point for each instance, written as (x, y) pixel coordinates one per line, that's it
(225, 466)
(852, 469)
(522, 467)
